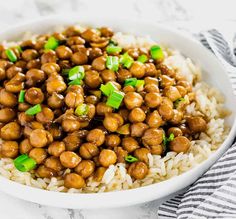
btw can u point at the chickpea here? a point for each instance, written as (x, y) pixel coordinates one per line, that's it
(154, 119)
(7, 99)
(12, 71)
(96, 136)
(137, 115)
(21, 64)
(44, 172)
(124, 113)
(53, 163)
(91, 99)
(142, 154)
(34, 96)
(129, 144)
(56, 148)
(34, 76)
(9, 149)
(10, 131)
(49, 56)
(55, 101)
(70, 125)
(112, 140)
(23, 107)
(92, 79)
(156, 149)
(181, 90)
(152, 137)
(4, 64)
(88, 150)
(36, 64)
(75, 89)
(85, 168)
(151, 80)
(196, 124)
(166, 70)
(121, 154)
(172, 93)
(166, 111)
(102, 109)
(99, 63)
(69, 159)
(79, 58)
(40, 138)
(123, 74)
(29, 54)
(110, 123)
(38, 154)
(175, 130)
(138, 170)
(108, 75)
(166, 81)
(72, 142)
(185, 84)
(119, 118)
(45, 116)
(106, 32)
(73, 99)
(25, 146)
(50, 68)
(138, 129)
(132, 100)
(6, 115)
(153, 99)
(63, 52)
(177, 117)
(128, 88)
(94, 53)
(55, 83)
(23, 118)
(73, 180)
(16, 84)
(2, 74)
(91, 111)
(180, 144)
(99, 173)
(137, 69)
(151, 70)
(107, 157)
(89, 35)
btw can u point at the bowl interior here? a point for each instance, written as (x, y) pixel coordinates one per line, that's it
(214, 74)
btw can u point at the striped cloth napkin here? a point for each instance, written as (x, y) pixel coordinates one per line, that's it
(214, 194)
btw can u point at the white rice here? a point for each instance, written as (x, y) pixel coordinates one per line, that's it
(209, 102)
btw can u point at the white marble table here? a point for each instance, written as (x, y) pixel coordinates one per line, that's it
(188, 15)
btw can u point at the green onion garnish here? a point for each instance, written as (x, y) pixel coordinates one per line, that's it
(76, 72)
(111, 49)
(131, 159)
(82, 110)
(115, 99)
(176, 103)
(134, 82)
(75, 82)
(108, 88)
(112, 63)
(19, 49)
(21, 98)
(65, 71)
(156, 52)
(24, 163)
(126, 60)
(143, 58)
(166, 140)
(52, 43)
(11, 55)
(33, 110)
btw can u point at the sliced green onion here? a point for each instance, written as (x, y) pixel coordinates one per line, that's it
(112, 63)
(131, 159)
(166, 140)
(65, 71)
(75, 82)
(171, 137)
(143, 58)
(111, 49)
(131, 81)
(76, 72)
(115, 99)
(52, 43)
(19, 49)
(113, 42)
(126, 60)
(33, 110)
(11, 55)
(82, 110)
(139, 83)
(176, 103)
(156, 52)
(21, 98)
(108, 88)
(24, 163)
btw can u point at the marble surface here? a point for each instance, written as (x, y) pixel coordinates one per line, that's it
(187, 15)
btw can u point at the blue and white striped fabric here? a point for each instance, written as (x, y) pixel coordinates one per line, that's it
(214, 194)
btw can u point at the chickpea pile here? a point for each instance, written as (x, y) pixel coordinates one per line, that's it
(58, 139)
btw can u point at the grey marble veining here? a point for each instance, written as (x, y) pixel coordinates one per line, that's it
(187, 15)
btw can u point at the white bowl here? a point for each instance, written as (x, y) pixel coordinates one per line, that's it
(215, 75)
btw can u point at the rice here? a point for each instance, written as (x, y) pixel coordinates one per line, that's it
(209, 102)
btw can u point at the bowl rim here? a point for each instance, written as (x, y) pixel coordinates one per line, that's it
(123, 197)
